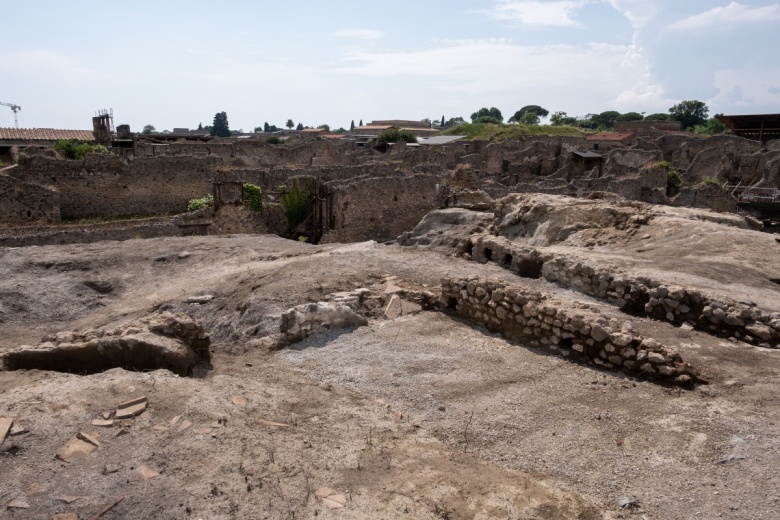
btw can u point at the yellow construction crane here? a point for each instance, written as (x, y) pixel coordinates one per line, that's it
(15, 108)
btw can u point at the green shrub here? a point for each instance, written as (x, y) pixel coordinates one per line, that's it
(710, 181)
(394, 135)
(254, 195)
(294, 202)
(77, 150)
(203, 202)
(273, 139)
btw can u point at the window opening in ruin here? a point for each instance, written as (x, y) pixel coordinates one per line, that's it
(452, 303)
(528, 268)
(469, 247)
(488, 254)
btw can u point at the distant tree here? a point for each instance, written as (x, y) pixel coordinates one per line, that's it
(690, 113)
(273, 128)
(539, 111)
(148, 129)
(658, 117)
(289, 124)
(529, 118)
(299, 127)
(487, 120)
(393, 135)
(630, 116)
(361, 122)
(713, 126)
(455, 121)
(266, 127)
(339, 130)
(200, 126)
(259, 129)
(489, 112)
(562, 118)
(442, 120)
(352, 126)
(606, 119)
(325, 127)
(220, 128)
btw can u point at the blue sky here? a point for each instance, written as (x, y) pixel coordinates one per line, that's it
(175, 63)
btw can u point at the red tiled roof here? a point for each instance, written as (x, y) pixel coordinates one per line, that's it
(44, 134)
(610, 136)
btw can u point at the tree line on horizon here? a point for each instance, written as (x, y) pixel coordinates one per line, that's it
(693, 115)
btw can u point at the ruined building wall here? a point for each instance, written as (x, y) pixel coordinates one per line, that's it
(381, 208)
(24, 202)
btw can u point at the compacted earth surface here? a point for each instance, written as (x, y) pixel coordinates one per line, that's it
(169, 378)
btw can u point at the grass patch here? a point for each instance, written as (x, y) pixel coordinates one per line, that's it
(501, 132)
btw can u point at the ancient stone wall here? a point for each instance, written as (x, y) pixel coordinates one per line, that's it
(87, 233)
(640, 296)
(380, 208)
(579, 334)
(25, 202)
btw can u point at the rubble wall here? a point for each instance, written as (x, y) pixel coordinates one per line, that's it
(581, 335)
(381, 208)
(24, 202)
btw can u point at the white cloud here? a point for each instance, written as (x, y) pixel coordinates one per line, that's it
(362, 34)
(537, 12)
(638, 12)
(594, 77)
(732, 13)
(745, 90)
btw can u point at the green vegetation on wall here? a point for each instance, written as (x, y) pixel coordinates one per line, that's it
(393, 135)
(76, 150)
(196, 204)
(254, 196)
(294, 203)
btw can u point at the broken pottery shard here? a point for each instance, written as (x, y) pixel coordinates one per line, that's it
(183, 426)
(133, 402)
(66, 516)
(130, 411)
(324, 492)
(102, 422)
(18, 503)
(5, 426)
(68, 499)
(203, 431)
(106, 415)
(238, 401)
(88, 438)
(146, 472)
(125, 423)
(175, 420)
(75, 448)
(271, 423)
(393, 309)
(17, 429)
(160, 427)
(146, 415)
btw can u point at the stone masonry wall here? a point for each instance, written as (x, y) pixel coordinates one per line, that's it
(639, 296)
(25, 202)
(381, 208)
(579, 334)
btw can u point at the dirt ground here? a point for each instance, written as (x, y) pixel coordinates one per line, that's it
(424, 416)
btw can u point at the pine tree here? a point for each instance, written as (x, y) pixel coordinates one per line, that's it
(266, 128)
(442, 121)
(352, 126)
(220, 128)
(299, 127)
(361, 122)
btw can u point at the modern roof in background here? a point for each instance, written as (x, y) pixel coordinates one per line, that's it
(44, 134)
(439, 139)
(762, 127)
(610, 136)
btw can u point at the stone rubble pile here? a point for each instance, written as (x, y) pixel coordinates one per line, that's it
(580, 334)
(311, 318)
(637, 295)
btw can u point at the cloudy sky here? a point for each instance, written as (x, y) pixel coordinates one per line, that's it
(175, 63)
